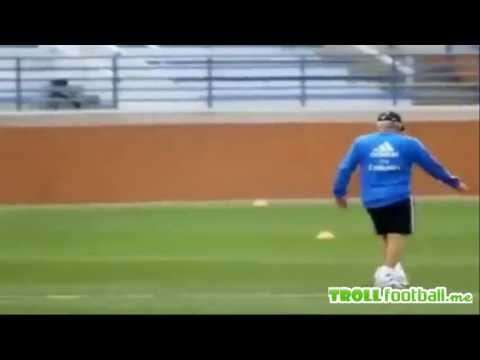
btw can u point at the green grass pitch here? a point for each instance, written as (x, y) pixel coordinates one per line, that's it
(222, 259)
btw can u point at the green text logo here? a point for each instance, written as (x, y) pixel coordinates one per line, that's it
(414, 295)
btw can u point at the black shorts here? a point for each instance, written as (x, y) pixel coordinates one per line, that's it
(397, 218)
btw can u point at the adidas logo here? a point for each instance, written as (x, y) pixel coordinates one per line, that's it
(386, 150)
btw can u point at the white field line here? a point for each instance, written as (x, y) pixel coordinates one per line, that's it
(152, 296)
(266, 295)
(64, 297)
(184, 295)
(221, 203)
(455, 261)
(79, 296)
(258, 295)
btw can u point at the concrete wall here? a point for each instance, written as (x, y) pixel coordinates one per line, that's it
(54, 163)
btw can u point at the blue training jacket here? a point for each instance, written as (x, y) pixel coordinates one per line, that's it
(385, 160)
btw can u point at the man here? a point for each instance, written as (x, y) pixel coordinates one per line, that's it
(386, 158)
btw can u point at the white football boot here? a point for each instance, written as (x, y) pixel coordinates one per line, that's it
(385, 277)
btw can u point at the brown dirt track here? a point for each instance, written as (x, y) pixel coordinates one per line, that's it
(203, 162)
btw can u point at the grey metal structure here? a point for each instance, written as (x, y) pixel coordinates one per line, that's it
(305, 80)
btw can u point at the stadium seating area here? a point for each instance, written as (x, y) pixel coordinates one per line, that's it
(174, 77)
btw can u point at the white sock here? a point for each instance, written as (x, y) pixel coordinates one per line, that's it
(399, 269)
(400, 273)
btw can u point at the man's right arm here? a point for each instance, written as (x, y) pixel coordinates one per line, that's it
(344, 172)
(432, 166)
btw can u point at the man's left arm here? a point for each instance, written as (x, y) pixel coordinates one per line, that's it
(433, 167)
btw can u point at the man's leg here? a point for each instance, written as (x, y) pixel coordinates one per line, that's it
(392, 271)
(398, 268)
(395, 249)
(396, 222)
(383, 239)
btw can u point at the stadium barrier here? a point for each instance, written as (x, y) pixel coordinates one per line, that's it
(271, 156)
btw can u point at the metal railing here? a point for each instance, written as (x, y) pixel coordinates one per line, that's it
(122, 80)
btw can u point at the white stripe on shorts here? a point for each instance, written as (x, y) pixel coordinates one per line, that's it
(412, 214)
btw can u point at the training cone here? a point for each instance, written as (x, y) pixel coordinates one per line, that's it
(325, 235)
(260, 203)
